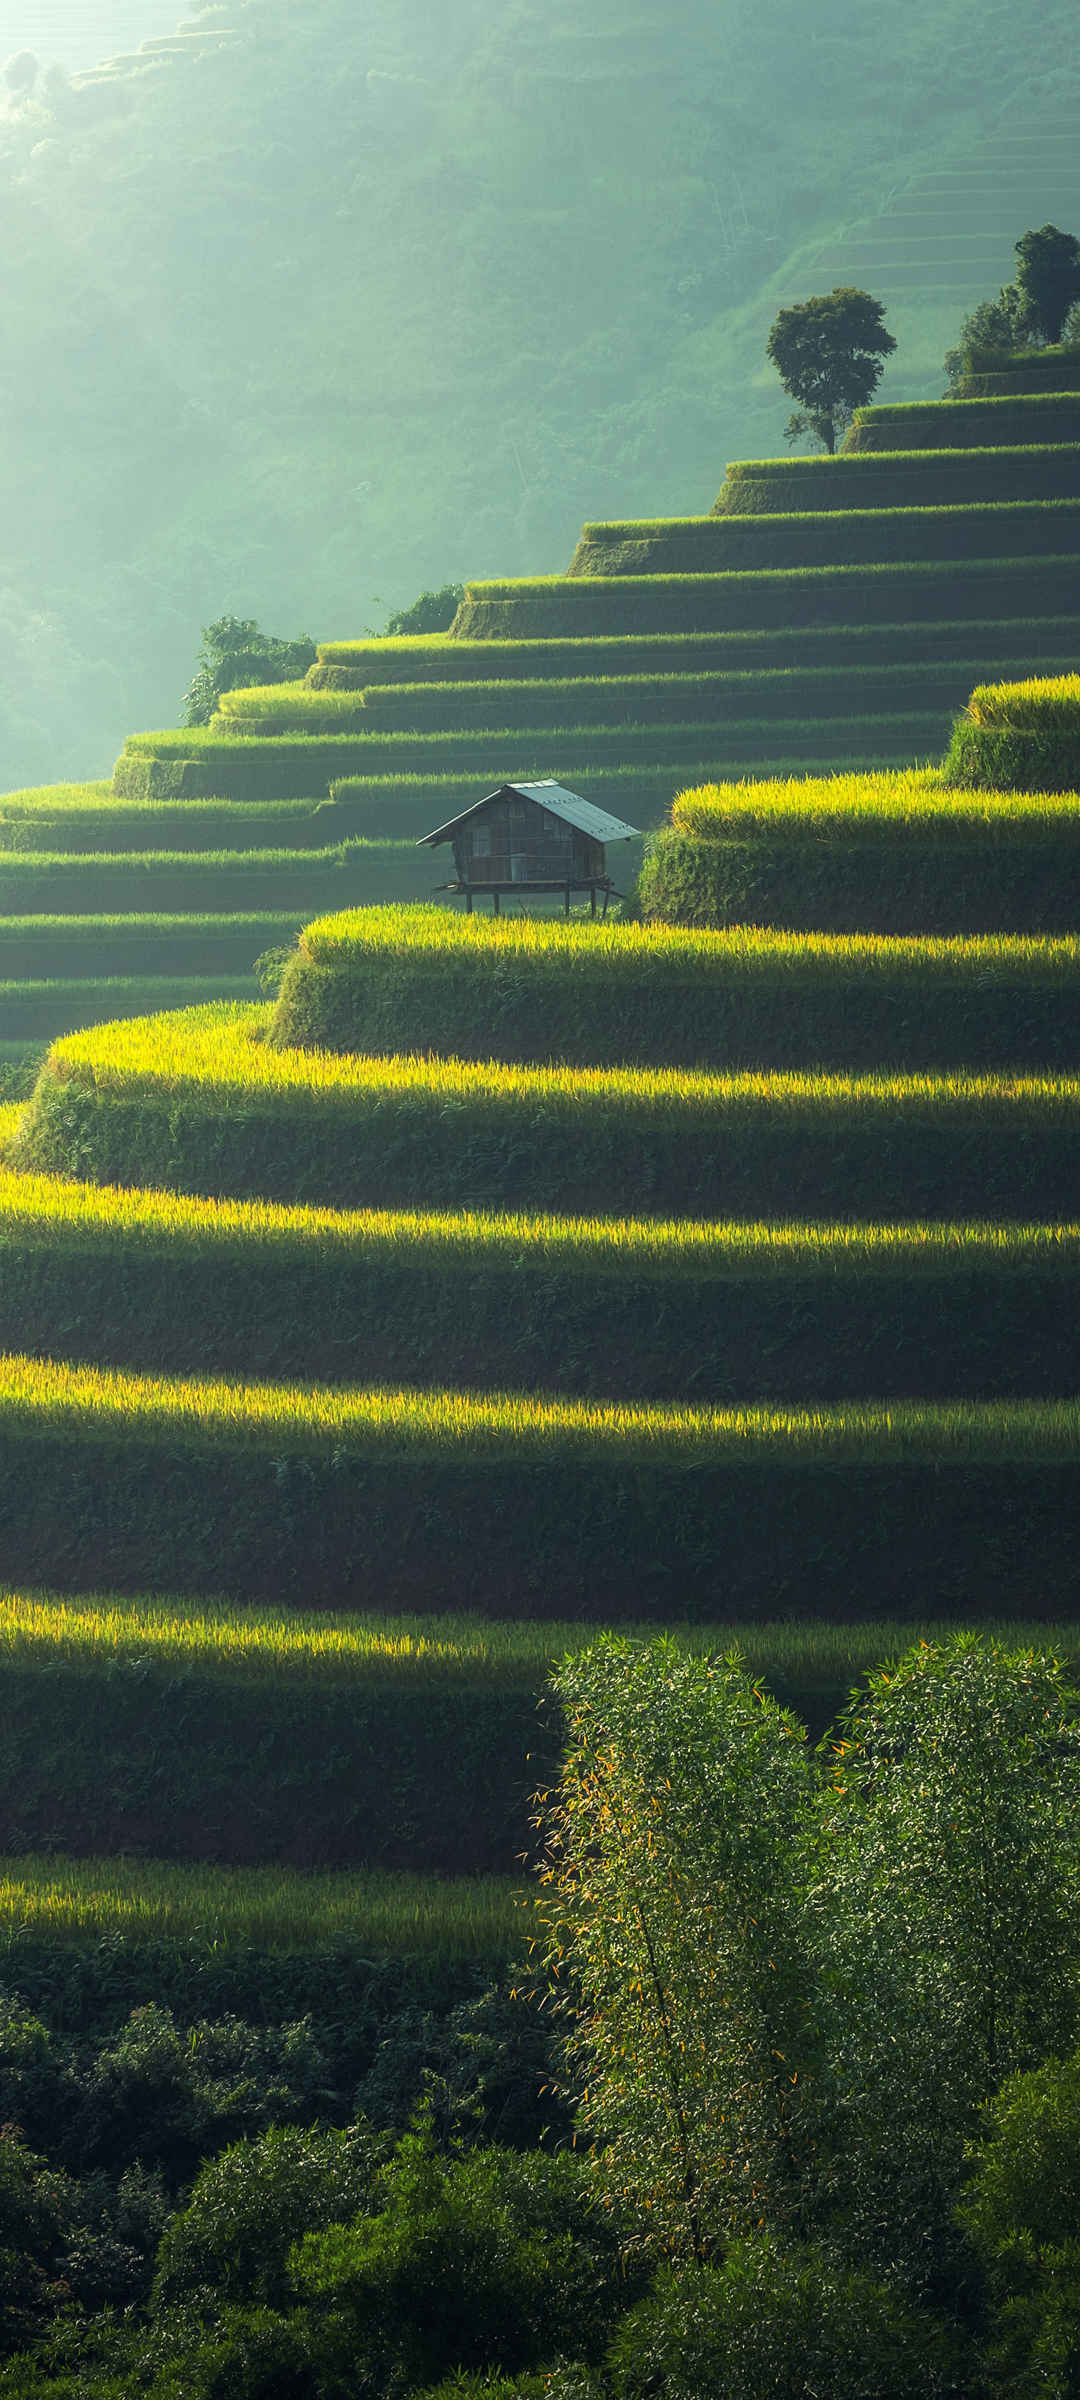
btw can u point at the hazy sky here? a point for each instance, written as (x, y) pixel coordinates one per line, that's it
(82, 32)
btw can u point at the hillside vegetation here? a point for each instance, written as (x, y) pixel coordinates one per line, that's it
(332, 306)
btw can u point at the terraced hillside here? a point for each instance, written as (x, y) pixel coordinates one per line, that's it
(514, 1270)
(943, 238)
(827, 613)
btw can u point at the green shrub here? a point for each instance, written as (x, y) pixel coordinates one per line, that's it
(495, 2260)
(776, 2324)
(250, 2204)
(1019, 2210)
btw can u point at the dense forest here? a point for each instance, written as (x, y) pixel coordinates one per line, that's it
(355, 300)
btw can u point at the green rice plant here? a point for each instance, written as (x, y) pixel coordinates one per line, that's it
(20, 1061)
(268, 708)
(959, 424)
(320, 1497)
(834, 537)
(1028, 706)
(200, 1101)
(902, 478)
(182, 880)
(438, 983)
(149, 1900)
(348, 1741)
(113, 825)
(606, 1308)
(39, 1010)
(361, 665)
(801, 693)
(895, 854)
(52, 948)
(592, 606)
(1026, 735)
(56, 799)
(915, 806)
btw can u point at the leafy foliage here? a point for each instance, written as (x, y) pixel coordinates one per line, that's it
(235, 652)
(829, 353)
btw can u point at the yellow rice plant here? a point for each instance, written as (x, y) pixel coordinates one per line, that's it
(43, 1396)
(913, 805)
(1039, 704)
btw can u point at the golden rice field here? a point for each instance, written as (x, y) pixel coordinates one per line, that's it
(219, 1053)
(1036, 704)
(916, 804)
(439, 936)
(48, 1209)
(274, 1645)
(43, 1394)
(60, 1899)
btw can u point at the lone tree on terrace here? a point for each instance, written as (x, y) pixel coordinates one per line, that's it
(1048, 279)
(829, 354)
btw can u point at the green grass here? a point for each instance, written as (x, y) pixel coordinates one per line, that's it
(199, 1102)
(328, 1497)
(834, 537)
(667, 603)
(67, 1900)
(526, 989)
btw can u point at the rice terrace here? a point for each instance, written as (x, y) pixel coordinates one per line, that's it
(540, 1220)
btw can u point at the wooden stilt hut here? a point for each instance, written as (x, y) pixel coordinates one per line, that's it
(531, 837)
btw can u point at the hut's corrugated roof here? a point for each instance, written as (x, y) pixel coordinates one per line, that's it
(553, 796)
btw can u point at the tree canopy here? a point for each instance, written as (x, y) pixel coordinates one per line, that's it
(829, 353)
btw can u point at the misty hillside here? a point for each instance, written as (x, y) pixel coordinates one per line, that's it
(316, 307)
(81, 33)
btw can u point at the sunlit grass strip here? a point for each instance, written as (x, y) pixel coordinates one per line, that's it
(278, 1646)
(436, 937)
(275, 923)
(891, 807)
(1035, 705)
(73, 1899)
(602, 531)
(812, 470)
(26, 866)
(46, 1209)
(218, 1051)
(56, 799)
(162, 1410)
